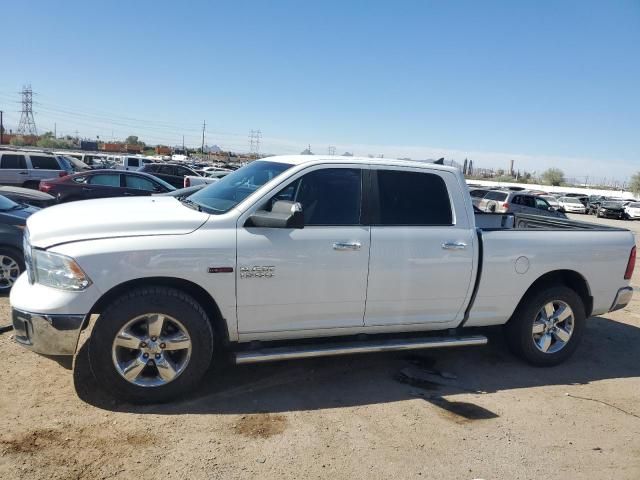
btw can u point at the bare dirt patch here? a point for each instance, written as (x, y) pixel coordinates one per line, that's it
(261, 425)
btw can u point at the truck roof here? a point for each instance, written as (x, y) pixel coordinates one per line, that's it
(303, 159)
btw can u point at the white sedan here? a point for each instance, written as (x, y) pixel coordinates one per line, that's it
(571, 205)
(632, 210)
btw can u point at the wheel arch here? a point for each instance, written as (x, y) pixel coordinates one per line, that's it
(569, 278)
(203, 297)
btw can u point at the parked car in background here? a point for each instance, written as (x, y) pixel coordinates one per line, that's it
(171, 173)
(551, 200)
(593, 203)
(209, 176)
(23, 168)
(571, 205)
(13, 218)
(611, 209)
(498, 201)
(103, 184)
(477, 194)
(29, 196)
(129, 162)
(74, 164)
(632, 210)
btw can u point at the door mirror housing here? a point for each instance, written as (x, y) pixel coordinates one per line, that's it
(283, 214)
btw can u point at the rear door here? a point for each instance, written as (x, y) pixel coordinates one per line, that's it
(13, 169)
(422, 249)
(44, 167)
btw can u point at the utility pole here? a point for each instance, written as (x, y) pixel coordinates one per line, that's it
(55, 130)
(332, 150)
(1, 128)
(183, 144)
(204, 125)
(27, 125)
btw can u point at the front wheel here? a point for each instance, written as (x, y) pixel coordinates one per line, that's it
(11, 266)
(547, 326)
(151, 345)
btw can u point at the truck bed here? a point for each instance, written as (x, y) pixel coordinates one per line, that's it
(520, 221)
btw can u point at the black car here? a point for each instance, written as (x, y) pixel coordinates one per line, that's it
(170, 172)
(593, 203)
(609, 209)
(104, 184)
(13, 218)
(28, 196)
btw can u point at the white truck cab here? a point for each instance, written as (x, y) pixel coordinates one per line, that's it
(293, 248)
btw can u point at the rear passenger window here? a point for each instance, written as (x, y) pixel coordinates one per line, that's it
(13, 161)
(44, 163)
(412, 198)
(134, 162)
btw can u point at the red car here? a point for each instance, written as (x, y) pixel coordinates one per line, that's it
(103, 184)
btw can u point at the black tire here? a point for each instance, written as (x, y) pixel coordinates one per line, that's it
(142, 301)
(15, 255)
(519, 328)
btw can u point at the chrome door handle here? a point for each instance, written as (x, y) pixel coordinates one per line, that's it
(454, 246)
(347, 245)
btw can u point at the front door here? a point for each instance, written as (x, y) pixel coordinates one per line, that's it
(311, 278)
(421, 261)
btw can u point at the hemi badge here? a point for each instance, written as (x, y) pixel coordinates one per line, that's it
(220, 269)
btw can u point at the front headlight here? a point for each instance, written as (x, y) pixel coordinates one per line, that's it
(58, 271)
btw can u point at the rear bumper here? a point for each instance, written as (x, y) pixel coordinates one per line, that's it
(47, 334)
(623, 297)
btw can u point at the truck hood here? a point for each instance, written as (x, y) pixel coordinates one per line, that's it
(111, 218)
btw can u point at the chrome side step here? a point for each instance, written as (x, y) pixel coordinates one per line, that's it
(387, 345)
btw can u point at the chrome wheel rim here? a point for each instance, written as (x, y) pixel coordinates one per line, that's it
(553, 327)
(9, 271)
(151, 350)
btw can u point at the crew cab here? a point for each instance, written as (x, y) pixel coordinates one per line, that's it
(306, 256)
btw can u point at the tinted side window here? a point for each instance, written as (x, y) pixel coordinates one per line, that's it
(478, 193)
(182, 172)
(412, 198)
(542, 204)
(44, 163)
(139, 183)
(330, 196)
(109, 180)
(12, 161)
(134, 162)
(167, 170)
(529, 201)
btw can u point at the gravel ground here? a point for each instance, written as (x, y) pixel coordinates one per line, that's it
(345, 417)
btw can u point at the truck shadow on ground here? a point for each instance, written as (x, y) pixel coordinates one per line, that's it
(609, 350)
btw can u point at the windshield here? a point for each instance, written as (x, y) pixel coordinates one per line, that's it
(229, 191)
(571, 200)
(6, 204)
(77, 164)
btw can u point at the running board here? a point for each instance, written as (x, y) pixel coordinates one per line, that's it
(274, 354)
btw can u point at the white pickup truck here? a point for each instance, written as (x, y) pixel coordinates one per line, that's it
(305, 256)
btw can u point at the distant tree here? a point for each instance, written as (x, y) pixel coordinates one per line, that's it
(553, 176)
(500, 172)
(634, 184)
(133, 140)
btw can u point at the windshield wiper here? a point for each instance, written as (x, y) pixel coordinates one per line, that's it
(191, 204)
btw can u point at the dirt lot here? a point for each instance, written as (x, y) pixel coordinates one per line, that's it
(341, 418)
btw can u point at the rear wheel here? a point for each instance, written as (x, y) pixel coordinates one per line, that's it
(547, 326)
(151, 345)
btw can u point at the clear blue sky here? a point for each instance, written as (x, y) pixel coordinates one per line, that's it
(544, 82)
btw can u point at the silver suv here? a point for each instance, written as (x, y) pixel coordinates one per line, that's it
(504, 201)
(24, 168)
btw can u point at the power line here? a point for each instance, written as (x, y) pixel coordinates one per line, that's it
(27, 125)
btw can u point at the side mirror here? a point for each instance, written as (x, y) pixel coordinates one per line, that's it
(283, 214)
